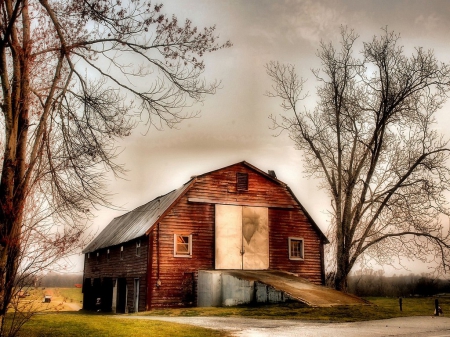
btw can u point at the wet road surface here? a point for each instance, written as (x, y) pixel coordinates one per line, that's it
(423, 326)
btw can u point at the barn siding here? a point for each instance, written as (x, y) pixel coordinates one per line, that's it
(220, 186)
(173, 272)
(284, 224)
(197, 218)
(130, 267)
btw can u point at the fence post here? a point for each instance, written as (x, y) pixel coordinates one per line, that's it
(436, 307)
(400, 303)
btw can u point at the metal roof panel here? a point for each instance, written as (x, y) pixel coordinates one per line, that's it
(134, 223)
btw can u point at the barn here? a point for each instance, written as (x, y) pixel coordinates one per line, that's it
(236, 218)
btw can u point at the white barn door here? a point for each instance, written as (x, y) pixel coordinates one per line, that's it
(228, 237)
(242, 237)
(255, 233)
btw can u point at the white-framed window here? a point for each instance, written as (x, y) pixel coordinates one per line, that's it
(121, 252)
(182, 245)
(107, 255)
(296, 249)
(138, 248)
(88, 255)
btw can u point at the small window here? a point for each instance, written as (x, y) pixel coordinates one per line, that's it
(241, 181)
(182, 245)
(296, 249)
(98, 257)
(121, 252)
(88, 255)
(107, 255)
(138, 248)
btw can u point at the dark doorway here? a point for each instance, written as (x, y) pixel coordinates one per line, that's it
(97, 294)
(188, 289)
(107, 294)
(88, 297)
(121, 295)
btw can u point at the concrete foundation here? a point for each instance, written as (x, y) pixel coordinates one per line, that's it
(233, 287)
(209, 289)
(217, 288)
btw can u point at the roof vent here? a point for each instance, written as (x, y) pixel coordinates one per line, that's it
(272, 174)
(241, 181)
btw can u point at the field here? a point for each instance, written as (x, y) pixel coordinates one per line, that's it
(62, 299)
(55, 321)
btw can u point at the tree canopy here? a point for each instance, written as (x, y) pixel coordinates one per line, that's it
(373, 142)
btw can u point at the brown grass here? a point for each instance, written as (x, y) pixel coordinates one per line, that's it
(62, 299)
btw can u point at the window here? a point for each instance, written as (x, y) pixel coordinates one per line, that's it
(121, 252)
(182, 245)
(98, 257)
(138, 248)
(107, 255)
(296, 249)
(88, 255)
(241, 181)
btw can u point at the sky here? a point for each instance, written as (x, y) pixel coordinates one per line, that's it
(234, 123)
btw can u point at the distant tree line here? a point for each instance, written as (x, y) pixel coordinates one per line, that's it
(375, 283)
(53, 280)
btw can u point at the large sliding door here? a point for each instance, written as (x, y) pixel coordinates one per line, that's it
(228, 237)
(242, 237)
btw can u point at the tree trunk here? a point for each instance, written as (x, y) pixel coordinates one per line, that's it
(13, 186)
(8, 266)
(342, 267)
(340, 281)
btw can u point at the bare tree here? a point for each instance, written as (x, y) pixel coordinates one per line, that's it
(76, 75)
(373, 142)
(44, 246)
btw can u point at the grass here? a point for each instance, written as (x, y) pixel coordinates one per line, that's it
(93, 325)
(413, 306)
(381, 308)
(52, 322)
(71, 294)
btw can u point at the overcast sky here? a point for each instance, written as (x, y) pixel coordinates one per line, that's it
(234, 123)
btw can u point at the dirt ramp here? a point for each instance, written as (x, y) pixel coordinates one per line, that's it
(300, 288)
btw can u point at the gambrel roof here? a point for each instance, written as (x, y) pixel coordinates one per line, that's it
(139, 221)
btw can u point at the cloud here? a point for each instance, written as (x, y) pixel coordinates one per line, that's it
(430, 23)
(312, 20)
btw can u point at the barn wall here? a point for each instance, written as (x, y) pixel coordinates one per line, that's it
(129, 268)
(293, 223)
(220, 186)
(178, 275)
(194, 214)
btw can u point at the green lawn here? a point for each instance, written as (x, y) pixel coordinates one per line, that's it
(380, 308)
(94, 325)
(414, 306)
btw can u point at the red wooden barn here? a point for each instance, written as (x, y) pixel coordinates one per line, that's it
(234, 218)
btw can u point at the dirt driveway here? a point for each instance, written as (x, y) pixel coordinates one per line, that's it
(423, 326)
